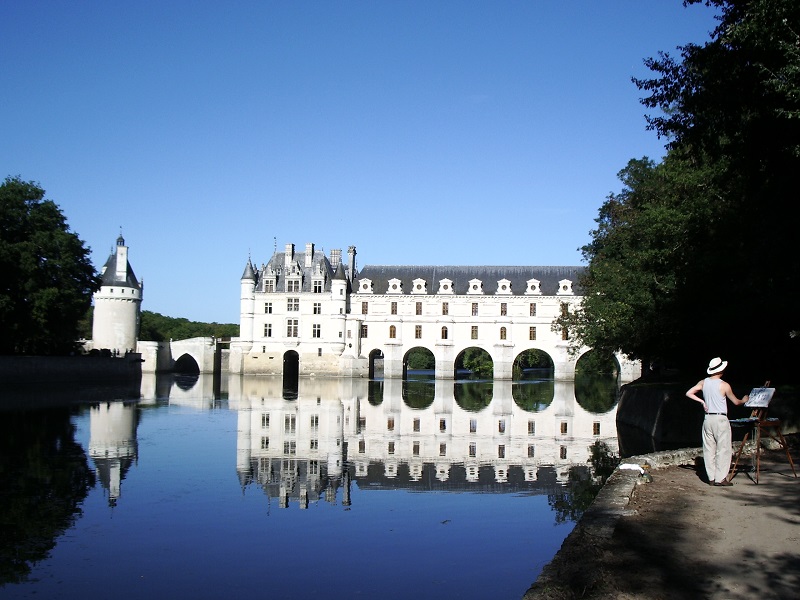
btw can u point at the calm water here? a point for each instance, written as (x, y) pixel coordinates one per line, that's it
(336, 489)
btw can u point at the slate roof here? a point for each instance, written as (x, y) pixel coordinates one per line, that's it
(461, 276)
(109, 274)
(277, 266)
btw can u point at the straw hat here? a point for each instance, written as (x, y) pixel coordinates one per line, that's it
(717, 365)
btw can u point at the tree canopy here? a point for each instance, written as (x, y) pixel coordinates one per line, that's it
(156, 327)
(48, 279)
(695, 257)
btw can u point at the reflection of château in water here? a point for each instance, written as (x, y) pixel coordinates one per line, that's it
(441, 435)
(112, 443)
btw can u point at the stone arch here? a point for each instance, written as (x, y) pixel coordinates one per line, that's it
(420, 359)
(532, 363)
(291, 374)
(186, 363)
(376, 359)
(474, 362)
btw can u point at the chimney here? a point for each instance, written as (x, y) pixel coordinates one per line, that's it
(351, 254)
(336, 258)
(288, 255)
(309, 254)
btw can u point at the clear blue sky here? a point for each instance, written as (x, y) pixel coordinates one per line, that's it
(422, 132)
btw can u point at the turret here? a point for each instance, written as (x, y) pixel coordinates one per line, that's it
(117, 304)
(247, 303)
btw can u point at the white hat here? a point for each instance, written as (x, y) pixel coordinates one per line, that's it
(717, 365)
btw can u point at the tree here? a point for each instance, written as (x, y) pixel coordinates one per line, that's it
(696, 256)
(48, 279)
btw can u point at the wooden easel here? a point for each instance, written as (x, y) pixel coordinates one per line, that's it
(761, 424)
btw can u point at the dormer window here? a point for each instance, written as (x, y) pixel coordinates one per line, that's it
(419, 286)
(533, 287)
(395, 286)
(365, 286)
(504, 287)
(475, 287)
(293, 285)
(445, 286)
(564, 288)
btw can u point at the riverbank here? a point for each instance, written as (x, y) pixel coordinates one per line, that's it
(678, 537)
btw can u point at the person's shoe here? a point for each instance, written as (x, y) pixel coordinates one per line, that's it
(724, 483)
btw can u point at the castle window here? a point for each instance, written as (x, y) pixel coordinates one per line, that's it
(363, 331)
(444, 333)
(269, 285)
(473, 425)
(473, 449)
(316, 331)
(474, 309)
(364, 308)
(317, 308)
(392, 332)
(362, 446)
(442, 425)
(563, 453)
(314, 444)
(317, 287)
(264, 443)
(501, 451)
(268, 308)
(445, 308)
(268, 330)
(596, 428)
(290, 448)
(289, 423)
(501, 426)
(418, 332)
(416, 425)
(293, 285)
(531, 333)
(292, 327)
(415, 449)
(390, 424)
(474, 332)
(531, 427)
(563, 428)
(419, 308)
(394, 308)
(264, 420)
(502, 333)
(390, 448)
(293, 304)
(531, 451)
(503, 309)
(533, 309)
(442, 449)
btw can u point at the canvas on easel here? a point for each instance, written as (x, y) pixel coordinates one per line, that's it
(760, 397)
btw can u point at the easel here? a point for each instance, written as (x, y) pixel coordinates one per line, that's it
(761, 424)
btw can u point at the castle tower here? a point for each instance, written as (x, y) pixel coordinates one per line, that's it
(117, 304)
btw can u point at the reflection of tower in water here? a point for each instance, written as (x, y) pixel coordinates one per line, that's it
(112, 444)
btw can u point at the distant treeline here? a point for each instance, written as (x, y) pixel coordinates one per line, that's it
(156, 327)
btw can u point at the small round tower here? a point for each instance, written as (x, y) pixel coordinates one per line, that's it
(117, 304)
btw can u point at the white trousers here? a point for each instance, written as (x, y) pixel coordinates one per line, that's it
(717, 447)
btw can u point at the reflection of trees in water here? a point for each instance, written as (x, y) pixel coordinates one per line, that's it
(596, 394)
(533, 396)
(419, 394)
(571, 502)
(375, 392)
(473, 396)
(45, 477)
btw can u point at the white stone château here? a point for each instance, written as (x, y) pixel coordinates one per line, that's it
(117, 304)
(307, 313)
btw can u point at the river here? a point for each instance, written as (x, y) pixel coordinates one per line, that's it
(340, 488)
